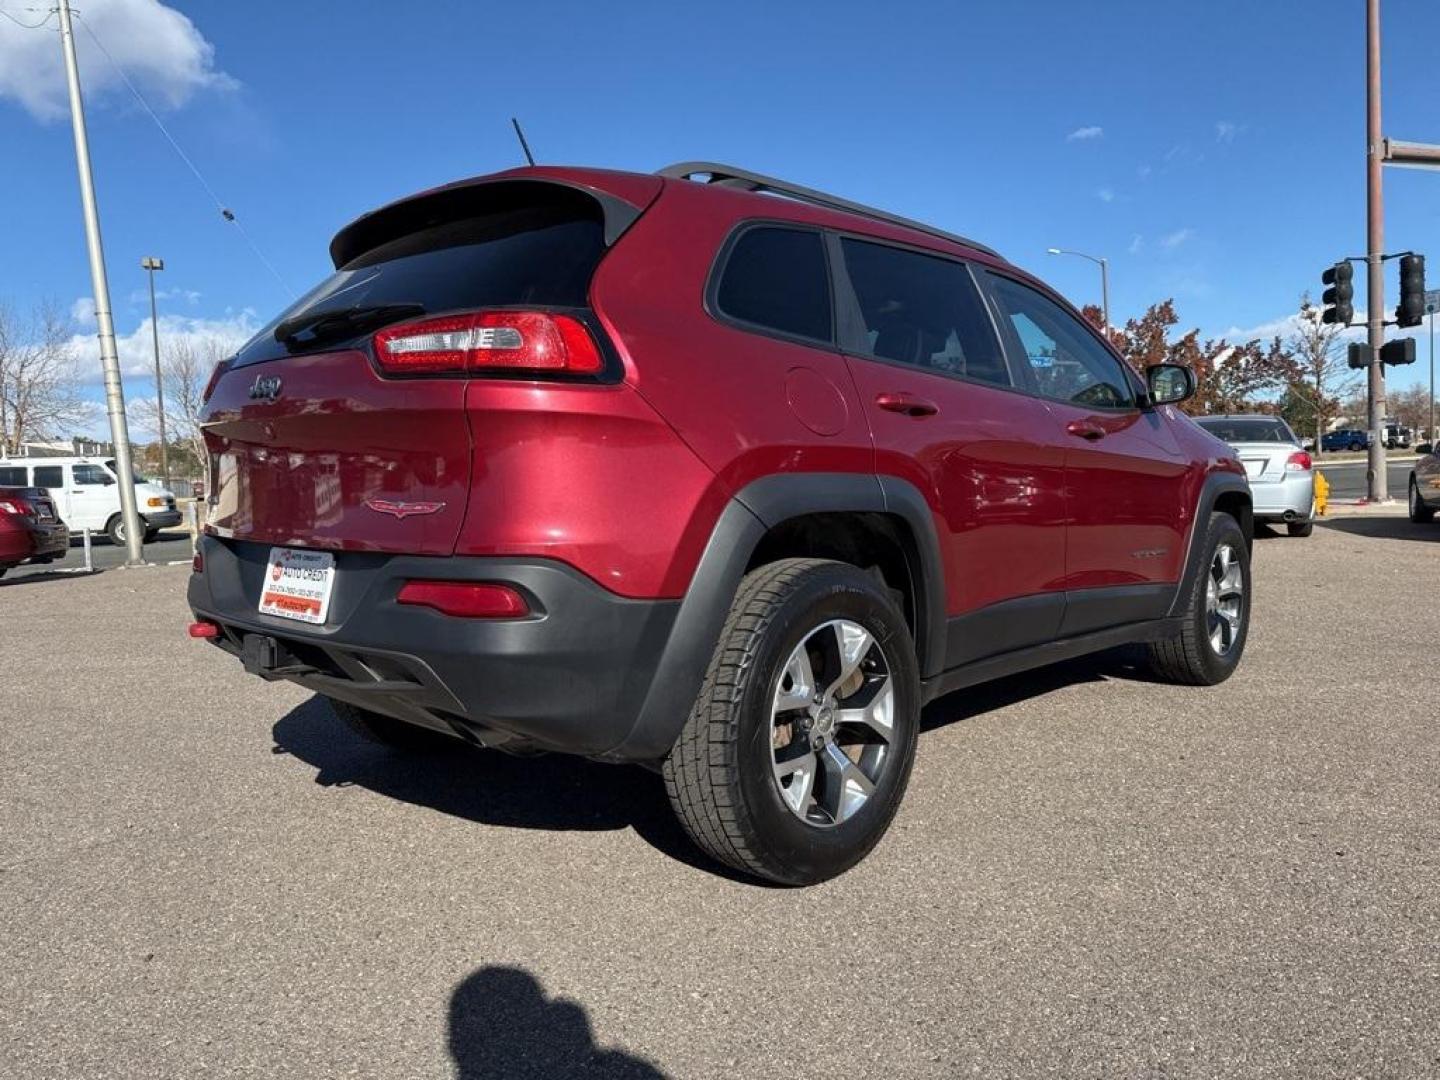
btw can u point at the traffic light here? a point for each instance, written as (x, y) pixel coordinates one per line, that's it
(1411, 309)
(1358, 356)
(1399, 351)
(1337, 298)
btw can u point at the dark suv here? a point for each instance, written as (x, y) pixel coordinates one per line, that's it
(705, 471)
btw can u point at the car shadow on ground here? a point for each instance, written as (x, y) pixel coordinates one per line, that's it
(502, 1026)
(1385, 528)
(550, 791)
(1125, 662)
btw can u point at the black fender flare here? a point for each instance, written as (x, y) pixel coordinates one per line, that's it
(754, 510)
(1216, 484)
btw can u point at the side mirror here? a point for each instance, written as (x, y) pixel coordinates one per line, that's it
(108, 480)
(1169, 383)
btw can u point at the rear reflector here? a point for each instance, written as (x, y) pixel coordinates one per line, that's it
(488, 341)
(466, 599)
(1298, 462)
(204, 629)
(197, 563)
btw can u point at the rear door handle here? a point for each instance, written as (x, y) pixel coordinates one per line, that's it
(1086, 429)
(907, 404)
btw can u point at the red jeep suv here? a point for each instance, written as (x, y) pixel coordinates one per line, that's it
(706, 471)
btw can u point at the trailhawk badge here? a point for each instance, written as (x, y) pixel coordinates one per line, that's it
(403, 510)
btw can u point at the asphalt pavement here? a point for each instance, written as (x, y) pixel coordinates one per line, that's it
(169, 546)
(1092, 875)
(1347, 478)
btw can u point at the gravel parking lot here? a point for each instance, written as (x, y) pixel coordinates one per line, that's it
(1092, 875)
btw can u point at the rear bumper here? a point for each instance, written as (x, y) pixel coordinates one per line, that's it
(1291, 499)
(573, 676)
(35, 540)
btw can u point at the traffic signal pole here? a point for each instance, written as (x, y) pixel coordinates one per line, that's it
(1375, 245)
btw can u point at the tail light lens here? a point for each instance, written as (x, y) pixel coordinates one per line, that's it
(20, 507)
(220, 369)
(488, 341)
(1298, 462)
(466, 599)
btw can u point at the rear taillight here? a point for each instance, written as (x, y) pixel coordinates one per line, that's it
(466, 599)
(220, 369)
(13, 505)
(488, 341)
(197, 563)
(1298, 462)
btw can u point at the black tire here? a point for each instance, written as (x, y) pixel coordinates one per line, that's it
(1301, 528)
(387, 731)
(720, 774)
(115, 530)
(150, 535)
(4, 570)
(1420, 514)
(1189, 657)
(1356, 447)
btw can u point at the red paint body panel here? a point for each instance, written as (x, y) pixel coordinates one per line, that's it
(989, 466)
(16, 542)
(299, 469)
(725, 391)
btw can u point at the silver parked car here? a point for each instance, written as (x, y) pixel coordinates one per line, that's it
(1282, 477)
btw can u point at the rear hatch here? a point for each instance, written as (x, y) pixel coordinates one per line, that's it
(313, 445)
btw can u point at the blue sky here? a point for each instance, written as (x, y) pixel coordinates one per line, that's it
(1213, 151)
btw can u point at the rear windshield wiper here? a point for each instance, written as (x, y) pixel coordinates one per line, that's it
(320, 325)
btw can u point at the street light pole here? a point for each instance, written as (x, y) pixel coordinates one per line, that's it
(151, 264)
(1104, 265)
(109, 358)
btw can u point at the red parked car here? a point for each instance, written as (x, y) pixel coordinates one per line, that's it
(706, 471)
(30, 530)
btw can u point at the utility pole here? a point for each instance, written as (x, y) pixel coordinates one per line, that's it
(109, 358)
(1375, 246)
(152, 264)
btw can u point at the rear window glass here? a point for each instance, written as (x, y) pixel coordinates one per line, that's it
(13, 476)
(538, 255)
(1250, 430)
(776, 278)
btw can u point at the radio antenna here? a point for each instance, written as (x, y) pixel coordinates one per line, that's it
(523, 144)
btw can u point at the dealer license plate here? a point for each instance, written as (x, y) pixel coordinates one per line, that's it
(298, 584)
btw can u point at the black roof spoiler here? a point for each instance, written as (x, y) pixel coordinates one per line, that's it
(730, 176)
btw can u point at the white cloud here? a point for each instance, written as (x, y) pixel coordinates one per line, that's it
(1137, 244)
(137, 350)
(1225, 131)
(1105, 194)
(83, 311)
(1171, 241)
(1094, 131)
(159, 48)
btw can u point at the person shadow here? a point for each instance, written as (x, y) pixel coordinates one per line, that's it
(503, 1027)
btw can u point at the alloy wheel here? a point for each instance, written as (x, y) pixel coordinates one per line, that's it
(1224, 600)
(832, 723)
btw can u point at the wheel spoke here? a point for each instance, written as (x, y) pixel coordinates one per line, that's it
(872, 707)
(852, 642)
(800, 679)
(800, 771)
(846, 785)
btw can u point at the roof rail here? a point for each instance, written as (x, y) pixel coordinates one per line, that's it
(730, 176)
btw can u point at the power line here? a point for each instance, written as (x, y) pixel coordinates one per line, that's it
(225, 211)
(25, 25)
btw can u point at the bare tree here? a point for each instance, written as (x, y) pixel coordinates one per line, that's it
(1316, 348)
(185, 368)
(39, 381)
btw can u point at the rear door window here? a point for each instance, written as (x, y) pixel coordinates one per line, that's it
(50, 476)
(922, 310)
(1067, 362)
(775, 278)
